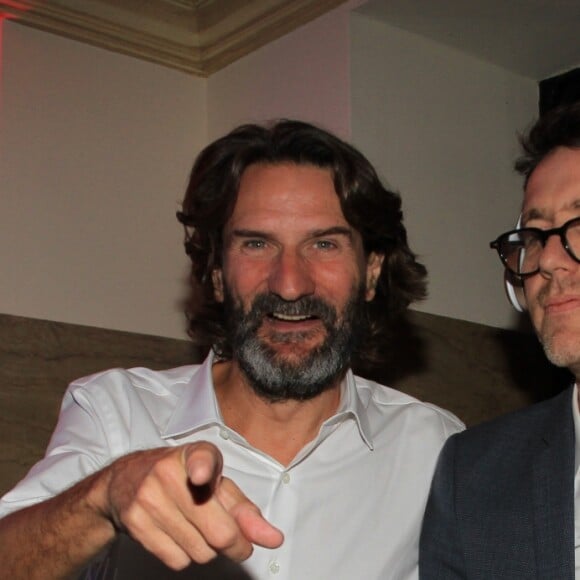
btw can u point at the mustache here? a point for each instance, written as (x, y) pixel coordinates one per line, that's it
(308, 306)
(557, 288)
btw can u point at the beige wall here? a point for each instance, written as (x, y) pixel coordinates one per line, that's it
(441, 127)
(96, 148)
(96, 151)
(303, 75)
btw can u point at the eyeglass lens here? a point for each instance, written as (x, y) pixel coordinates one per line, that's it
(521, 250)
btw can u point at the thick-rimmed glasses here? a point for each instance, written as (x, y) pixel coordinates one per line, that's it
(520, 250)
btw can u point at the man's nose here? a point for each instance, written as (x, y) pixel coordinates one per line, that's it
(291, 276)
(554, 256)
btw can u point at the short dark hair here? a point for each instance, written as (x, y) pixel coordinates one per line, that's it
(374, 211)
(559, 127)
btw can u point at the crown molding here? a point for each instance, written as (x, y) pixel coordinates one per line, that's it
(198, 37)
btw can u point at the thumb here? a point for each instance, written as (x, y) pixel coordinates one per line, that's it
(248, 516)
(256, 528)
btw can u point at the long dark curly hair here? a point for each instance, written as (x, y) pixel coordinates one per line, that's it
(370, 208)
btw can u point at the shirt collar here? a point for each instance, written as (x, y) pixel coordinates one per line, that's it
(353, 404)
(197, 405)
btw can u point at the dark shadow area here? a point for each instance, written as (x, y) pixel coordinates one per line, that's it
(530, 370)
(126, 559)
(478, 372)
(561, 89)
(405, 353)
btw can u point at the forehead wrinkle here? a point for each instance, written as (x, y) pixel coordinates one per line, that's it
(542, 214)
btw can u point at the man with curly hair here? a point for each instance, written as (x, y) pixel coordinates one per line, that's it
(300, 269)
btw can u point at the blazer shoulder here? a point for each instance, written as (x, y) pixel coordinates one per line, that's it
(552, 417)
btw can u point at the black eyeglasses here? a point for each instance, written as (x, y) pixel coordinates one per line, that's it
(520, 250)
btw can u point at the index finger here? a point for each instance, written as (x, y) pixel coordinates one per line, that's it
(203, 463)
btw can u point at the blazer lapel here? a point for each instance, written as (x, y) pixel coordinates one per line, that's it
(553, 495)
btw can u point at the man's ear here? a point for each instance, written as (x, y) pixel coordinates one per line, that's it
(516, 291)
(374, 265)
(218, 284)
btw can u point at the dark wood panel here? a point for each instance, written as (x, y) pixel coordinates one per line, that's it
(476, 371)
(39, 358)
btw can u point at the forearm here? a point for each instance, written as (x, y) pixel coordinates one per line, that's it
(57, 538)
(148, 493)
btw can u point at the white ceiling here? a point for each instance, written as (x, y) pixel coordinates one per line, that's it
(535, 38)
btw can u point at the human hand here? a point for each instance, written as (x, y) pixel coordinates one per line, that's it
(175, 502)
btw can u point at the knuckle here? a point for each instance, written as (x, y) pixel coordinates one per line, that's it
(241, 553)
(178, 562)
(132, 520)
(199, 550)
(146, 497)
(203, 556)
(230, 496)
(169, 472)
(175, 558)
(226, 540)
(162, 464)
(230, 542)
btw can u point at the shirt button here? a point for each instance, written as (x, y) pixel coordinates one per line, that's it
(274, 567)
(286, 477)
(224, 434)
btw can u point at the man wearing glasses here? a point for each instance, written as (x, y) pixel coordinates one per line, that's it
(505, 500)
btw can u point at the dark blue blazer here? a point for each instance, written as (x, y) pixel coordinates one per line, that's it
(501, 505)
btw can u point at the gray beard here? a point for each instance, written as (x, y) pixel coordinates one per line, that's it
(276, 379)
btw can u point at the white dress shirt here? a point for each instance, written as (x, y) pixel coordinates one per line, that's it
(576, 416)
(350, 504)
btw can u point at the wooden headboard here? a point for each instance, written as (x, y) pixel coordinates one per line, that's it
(475, 371)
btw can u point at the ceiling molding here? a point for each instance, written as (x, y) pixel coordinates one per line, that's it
(225, 44)
(199, 37)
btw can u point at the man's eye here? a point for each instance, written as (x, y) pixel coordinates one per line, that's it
(254, 244)
(325, 244)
